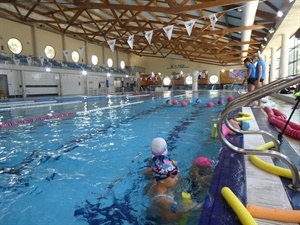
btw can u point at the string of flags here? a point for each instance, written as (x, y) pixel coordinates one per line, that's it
(189, 25)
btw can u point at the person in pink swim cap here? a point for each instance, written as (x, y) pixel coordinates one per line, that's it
(201, 172)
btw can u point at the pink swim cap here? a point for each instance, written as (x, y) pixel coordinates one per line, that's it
(225, 129)
(202, 162)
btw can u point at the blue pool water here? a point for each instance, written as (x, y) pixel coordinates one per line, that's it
(85, 168)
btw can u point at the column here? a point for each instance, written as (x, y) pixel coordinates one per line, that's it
(273, 64)
(267, 62)
(195, 81)
(284, 56)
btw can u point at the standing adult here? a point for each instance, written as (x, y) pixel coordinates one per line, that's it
(259, 74)
(250, 76)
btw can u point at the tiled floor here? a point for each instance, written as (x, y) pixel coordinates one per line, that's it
(265, 189)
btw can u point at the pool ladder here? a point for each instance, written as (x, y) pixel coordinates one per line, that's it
(246, 99)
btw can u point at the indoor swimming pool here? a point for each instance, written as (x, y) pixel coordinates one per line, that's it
(82, 162)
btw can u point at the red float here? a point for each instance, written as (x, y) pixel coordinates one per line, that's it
(278, 119)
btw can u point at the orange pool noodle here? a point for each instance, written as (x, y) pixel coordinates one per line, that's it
(282, 215)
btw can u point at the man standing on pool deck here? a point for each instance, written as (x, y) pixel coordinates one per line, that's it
(259, 74)
(250, 76)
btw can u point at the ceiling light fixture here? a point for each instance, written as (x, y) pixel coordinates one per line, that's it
(279, 14)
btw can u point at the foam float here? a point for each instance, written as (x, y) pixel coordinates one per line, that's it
(281, 215)
(240, 210)
(279, 120)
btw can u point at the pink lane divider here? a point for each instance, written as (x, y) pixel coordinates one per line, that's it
(36, 119)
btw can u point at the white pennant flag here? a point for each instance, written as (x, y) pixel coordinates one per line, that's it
(130, 41)
(41, 58)
(80, 50)
(17, 61)
(111, 44)
(66, 54)
(213, 19)
(29, 60)
(148, 36)
(189, 26)
(169, 30)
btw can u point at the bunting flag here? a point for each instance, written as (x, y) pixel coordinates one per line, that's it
(17, 61)
(66, 54)
(213, 19)
(148, 36)
(41, 58)
(111, 44)
(189, 26)
(29, 60)
(130, 41)
(169, 31)
(80, 50)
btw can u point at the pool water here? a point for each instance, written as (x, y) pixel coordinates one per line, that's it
(86, 167)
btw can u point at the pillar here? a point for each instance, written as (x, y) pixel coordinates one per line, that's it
(195, 81)
(284, 56)
(267, 62)
(273, 64)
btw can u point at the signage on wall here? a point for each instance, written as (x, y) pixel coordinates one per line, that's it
(240, 74)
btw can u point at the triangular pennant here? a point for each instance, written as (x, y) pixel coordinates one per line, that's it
(169, 30)
(213, 19)
(189, 26)
(130, 41)
(148, 36)
(17, 61)
(66, 54)
(80, 50)
(41, 58)
(111, 44)
(29, 60)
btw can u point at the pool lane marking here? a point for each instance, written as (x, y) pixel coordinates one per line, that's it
(35, 119)
(61, 115)
(107, 107)
(41, 105)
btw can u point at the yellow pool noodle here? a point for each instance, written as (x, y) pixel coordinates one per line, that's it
(239, 209)
(214, 131)
(270, 168)
(245, 116)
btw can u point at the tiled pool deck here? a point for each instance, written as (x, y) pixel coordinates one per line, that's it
(250, 184)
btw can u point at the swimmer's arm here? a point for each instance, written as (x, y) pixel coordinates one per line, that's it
(147, 171)
(167, 213)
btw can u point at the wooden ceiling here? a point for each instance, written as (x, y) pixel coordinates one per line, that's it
(98, 21)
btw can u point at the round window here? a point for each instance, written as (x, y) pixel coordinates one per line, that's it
(94, 60)
(167, 81)
(213, 79)
(109, 62)
(122, 64)
(14, 45)
(49, 52)
(75, 56)
(189, 80)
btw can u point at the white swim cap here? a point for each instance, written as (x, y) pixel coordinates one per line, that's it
(159, 146)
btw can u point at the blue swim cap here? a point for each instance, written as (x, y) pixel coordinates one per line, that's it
(198, 100)
(163, 167)
(245, 125)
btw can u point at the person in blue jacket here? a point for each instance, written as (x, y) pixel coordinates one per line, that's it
(250, 76)
(259, 74)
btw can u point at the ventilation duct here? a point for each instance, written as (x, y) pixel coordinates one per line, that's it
(248, 17)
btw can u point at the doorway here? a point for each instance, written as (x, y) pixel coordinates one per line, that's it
(3, 86)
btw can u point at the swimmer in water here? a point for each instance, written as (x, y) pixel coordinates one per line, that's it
(164, 209)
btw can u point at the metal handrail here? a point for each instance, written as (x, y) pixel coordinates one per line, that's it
(246, 99)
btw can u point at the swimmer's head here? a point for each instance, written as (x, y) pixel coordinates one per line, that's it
(202, 162)
(163, 167)
(159, 147)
